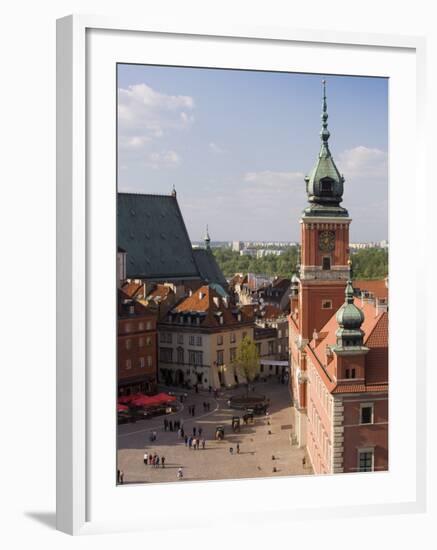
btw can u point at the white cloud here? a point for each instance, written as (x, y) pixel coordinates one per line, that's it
(214, 148)
(162, 159)
(364, 162)
(145, 118)
(143, 111)
(271, 179)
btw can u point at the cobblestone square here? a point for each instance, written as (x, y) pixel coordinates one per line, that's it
(268, 437)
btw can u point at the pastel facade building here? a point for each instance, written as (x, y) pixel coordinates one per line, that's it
(198, 340)
(338, 342)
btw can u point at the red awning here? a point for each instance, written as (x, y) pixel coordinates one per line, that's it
(122, 408)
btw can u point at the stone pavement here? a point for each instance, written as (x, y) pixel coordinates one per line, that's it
(214, 462)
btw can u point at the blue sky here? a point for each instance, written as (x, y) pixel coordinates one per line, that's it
(237, 144)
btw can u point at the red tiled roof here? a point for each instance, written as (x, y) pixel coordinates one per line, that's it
(131, 288)
(206, 300)
(375, 327)
(160, 291)
(378, 287)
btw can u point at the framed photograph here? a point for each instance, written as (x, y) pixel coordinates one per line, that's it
(235, 208)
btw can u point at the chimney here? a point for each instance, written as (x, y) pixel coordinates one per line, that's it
(381, 306)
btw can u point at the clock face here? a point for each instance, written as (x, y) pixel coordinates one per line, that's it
(326, 241)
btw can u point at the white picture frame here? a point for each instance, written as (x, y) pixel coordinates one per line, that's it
(80, 486)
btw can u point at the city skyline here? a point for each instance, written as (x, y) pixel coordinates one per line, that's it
(208, 133)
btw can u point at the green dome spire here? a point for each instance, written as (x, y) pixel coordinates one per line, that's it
(349, 318)
(324, 184)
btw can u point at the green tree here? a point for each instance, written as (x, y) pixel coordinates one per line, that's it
(247, 360)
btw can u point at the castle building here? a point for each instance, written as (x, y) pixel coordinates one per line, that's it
(338, 343)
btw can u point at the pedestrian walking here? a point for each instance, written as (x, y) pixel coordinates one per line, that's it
(154, 435)
(200, 432)
(190, 442)
(182, 432)
(203, 443)
(179, 433)
(157, 462)
(151, 437)
(180, 473)
(121, 476)
(163, 461)
(209, 389)
(238, 448)
(231, 450)
(194, 431)
(118, 475)
(165, 424)
(170, 426)
(194, 410)
(146, 458)
(186, 440)
(304, 462)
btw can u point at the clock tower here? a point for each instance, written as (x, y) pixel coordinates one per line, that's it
(325, 224)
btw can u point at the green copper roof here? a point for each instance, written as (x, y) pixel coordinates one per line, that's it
(324, 184)
(152, 231)
(349, 318)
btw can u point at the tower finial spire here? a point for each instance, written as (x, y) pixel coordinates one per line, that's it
(207, 238)
(324, 133)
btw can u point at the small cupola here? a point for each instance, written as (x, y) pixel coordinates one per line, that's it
(349, 318)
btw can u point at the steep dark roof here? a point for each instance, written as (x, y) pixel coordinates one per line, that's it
(208, 267)
(152, 231)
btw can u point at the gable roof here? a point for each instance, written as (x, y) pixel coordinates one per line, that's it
(208, 267)
(152, 231)
(210, 306)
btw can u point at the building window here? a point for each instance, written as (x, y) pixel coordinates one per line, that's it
(142, 363)
(128, 364)
(149, 325)
(141, 326)
(195, 357)
(327, 304)
(198, 340)
(148, 341)
(220, 340)
(127, 327)
(271, 348)
(258, 349)
(180, 338)
(353, 373)
(261, 368)
(149, 361)
(141, 342)
(244, 335)
(348, 373)
(180, 356)
(191, 340)
(326, 265)
(279, 348)
(166, 337)
(366, 413)
(128, 343)
(233, 354)
(365, 460)
(219, 357)
(166, 355)
(233, 337)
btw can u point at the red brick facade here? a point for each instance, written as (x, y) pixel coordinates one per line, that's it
(136, 348)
